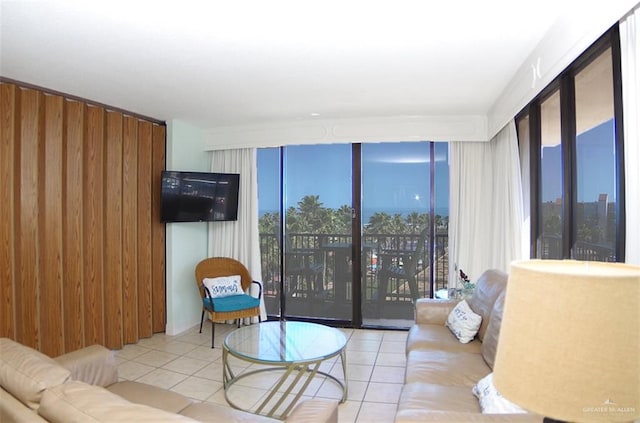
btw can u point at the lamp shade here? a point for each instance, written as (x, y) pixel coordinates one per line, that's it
(569, 344)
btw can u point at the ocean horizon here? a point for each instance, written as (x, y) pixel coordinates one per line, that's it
(367, 213)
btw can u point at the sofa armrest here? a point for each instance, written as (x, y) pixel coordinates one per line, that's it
(95, 365)
(432, 311)
(315, 410)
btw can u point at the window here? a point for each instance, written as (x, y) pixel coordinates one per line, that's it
(573, 134)
(353, 232)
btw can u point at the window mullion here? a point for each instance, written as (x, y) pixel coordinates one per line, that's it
(568, 137)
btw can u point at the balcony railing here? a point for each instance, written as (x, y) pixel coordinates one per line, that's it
(551, 248)
(318, 268)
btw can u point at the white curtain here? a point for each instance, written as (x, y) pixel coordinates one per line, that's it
(240, 239)
(486, 205)
(630, 58)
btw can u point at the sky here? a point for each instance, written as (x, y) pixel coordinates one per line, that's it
(395, 176)
(595, 158)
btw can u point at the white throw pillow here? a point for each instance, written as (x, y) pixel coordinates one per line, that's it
(223, 286)
(492, 401)
(463, 322)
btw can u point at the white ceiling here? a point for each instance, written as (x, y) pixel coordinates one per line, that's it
(234, 62)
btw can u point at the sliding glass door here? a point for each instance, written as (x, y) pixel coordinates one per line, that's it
(405, 199)
(312, 244)
(360, 254)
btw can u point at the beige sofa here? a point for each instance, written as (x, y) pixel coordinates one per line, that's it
(440, 371)
(83, 386)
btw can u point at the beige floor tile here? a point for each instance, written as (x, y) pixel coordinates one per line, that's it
(348, 411)
(157, 340)
(371, 412)
(387, 374)
(383, 392)
(245, 397)
(207, 353)
(186, 365)
(395, 336)
(367, 335)
(131, 351)
(391, 359)
(131, 370)
(330, 389)
(197, 388)
(212, 371)
(356, 390)
(177, 347)
(360, 357)
(393, 347)
(219, 398)
(361, 372)
(156, 358)
(363, 345)
(162, 378)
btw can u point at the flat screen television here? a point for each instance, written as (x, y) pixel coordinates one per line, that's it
(199, 196)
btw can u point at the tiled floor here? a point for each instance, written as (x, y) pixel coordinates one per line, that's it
(186, 364)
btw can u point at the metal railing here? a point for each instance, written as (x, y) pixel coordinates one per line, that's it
(550, 247)
(318, 267)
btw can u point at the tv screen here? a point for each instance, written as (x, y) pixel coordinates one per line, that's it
(199, 196)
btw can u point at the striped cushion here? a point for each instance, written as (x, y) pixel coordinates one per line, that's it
(232, 303)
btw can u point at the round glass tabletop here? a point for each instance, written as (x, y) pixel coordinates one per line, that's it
(285, 342)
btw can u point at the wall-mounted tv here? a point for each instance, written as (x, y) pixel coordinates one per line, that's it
(199, 196)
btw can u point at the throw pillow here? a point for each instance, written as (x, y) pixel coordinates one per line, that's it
(463, 322)
(491, 400)
(223, 286)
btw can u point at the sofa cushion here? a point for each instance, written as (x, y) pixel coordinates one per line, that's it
(490, 341)
(435, 397)
(142, 393)
(13, 411)
(26, 373)
(438, 337)
(78, 402)
(95, 365)
(445, 368)
(463, 322)
(425, 415)
(490, 284)
(214, 413)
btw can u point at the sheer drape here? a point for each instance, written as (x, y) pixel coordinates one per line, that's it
(630, 58)
(240, 239)
(486, 213)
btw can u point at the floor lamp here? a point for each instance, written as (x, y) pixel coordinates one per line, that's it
(569, 345)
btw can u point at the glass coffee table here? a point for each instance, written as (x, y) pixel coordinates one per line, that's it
(294, 349)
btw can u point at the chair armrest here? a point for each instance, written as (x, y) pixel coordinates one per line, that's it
(315, 410)
(259, 287)
(432, 311)
(95, 365)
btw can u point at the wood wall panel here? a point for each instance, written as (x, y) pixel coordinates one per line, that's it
(130, 230)
(7, 136)
(73, 246)
(27, 292)
(85, 262)
(93, 226)
(145, 282)
(157, 230)
(113, 232)
(51, 233)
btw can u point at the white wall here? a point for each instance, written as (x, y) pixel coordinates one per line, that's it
(186, 243)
